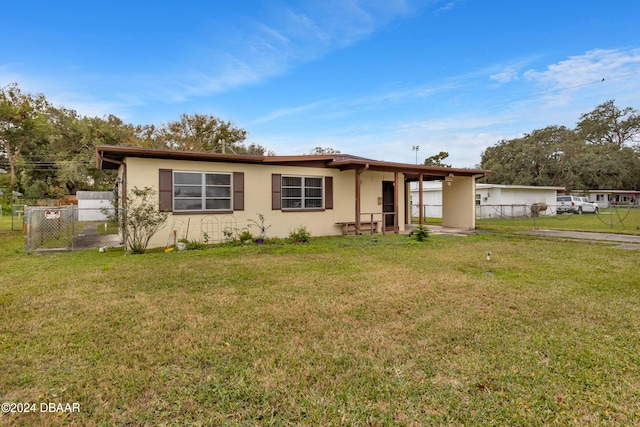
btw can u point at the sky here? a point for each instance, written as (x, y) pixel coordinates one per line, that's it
(393, 80)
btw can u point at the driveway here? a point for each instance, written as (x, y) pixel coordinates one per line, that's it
(89, 238)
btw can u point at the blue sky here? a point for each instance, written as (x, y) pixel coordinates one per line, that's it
(369, 78)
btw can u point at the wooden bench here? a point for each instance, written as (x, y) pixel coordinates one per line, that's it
(365, 227)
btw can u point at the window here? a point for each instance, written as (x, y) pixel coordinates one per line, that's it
(478, 199)
(302, 192)
(201, 191)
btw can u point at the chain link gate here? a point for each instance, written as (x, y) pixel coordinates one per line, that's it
(48, 228)
(67, 228)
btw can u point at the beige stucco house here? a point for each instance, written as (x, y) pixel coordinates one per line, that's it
(208, 193)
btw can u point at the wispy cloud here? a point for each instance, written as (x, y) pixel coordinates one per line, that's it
(288, 37)
(286, 112)
(593, 66)
(555, 95)
(507, 75)
(447, 6)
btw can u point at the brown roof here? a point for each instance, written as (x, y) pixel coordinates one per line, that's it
(112, 156)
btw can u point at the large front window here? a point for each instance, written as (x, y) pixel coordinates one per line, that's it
(201, 191)
(302, 192)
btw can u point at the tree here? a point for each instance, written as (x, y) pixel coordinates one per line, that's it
(200, 132)
(324, 150)
(534, 159)
(72, 148)
(436, 160)
(253, 149)
(23, 126)
(600, 153)
(607, 124)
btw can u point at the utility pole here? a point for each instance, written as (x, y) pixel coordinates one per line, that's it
(416, 148)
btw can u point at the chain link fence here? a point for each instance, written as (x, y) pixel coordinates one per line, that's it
(621, 217)
(492, 211)
(68, 228)
(17, 217)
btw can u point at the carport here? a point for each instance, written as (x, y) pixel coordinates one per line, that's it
(458, 190)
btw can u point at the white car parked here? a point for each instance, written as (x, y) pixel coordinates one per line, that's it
(589, 206)
(576, 204)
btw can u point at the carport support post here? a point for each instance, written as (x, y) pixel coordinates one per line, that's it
(396, 208)
(459, 202)
(357, 225)
(420, 200)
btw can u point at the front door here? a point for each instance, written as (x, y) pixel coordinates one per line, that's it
(388, 204)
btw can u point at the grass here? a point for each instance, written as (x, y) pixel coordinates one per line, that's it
(622, 220)
(377, 330)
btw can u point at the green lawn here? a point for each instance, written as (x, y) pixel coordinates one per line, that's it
(623, 220)
(342, 331)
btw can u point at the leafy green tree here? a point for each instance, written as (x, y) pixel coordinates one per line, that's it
(23, 127)
(73, 148)
(437, 160)
(324, 150)
(534, 159)
(607, 124)
(253, 149)
(601, 153)
(50, 152)
(201, 132)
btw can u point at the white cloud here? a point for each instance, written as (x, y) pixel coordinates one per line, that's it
(286, 112)
(268, 48)
(586, 69)
(509, 74)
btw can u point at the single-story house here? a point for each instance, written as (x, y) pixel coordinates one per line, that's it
(208, 193)
(491, 200)
(617, 197)
(94, 205)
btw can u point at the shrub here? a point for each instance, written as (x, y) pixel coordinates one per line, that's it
(141, 219)
(194, 245)
(300, 235)
(420, 233)
(245, 236)
(260, 225)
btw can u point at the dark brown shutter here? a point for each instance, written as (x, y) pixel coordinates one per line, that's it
(276, 191)
(238, 191)
(328, 192)
(166, 190)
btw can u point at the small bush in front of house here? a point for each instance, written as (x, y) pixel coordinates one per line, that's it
(420, 233)
(260, 225)
(245, 236)
(195, 246)
(141, 219)
(300, 235)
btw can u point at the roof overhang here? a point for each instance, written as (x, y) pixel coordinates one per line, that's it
(112, 156)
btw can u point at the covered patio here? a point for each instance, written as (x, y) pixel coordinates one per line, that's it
(458, 188)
